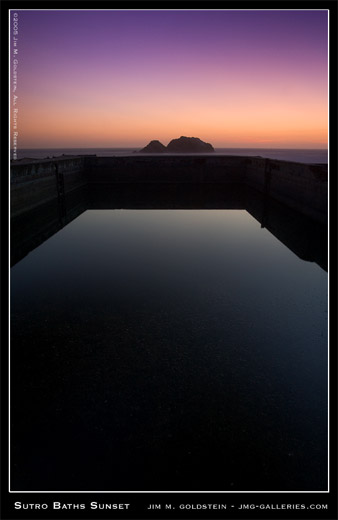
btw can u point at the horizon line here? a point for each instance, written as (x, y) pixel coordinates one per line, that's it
(141, 146)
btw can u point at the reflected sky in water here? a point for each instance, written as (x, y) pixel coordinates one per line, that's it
(194, 328)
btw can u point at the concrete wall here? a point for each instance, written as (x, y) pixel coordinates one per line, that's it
(35, 183)
(302, 187)
(32, 227)
(165, 169)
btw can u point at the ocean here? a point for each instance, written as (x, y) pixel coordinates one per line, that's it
(310, 156)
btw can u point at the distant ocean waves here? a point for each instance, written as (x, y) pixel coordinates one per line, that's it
(303, 156)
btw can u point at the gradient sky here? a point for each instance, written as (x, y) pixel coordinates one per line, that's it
(121, 78)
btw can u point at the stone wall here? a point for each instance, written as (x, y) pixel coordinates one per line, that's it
(38, 182)
(168, 169)
(302, 187)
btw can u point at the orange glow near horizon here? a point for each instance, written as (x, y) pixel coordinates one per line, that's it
(255, 91)
(222, 126)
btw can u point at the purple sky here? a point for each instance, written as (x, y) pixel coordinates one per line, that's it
(124, 77)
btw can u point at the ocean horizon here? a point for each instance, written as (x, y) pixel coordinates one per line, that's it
(309, 156)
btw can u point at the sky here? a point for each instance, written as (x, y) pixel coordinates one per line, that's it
(122, 78)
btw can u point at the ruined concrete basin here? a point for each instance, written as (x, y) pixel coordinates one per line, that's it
(302, 187)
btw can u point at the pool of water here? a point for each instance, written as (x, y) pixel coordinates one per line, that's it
(168, 350)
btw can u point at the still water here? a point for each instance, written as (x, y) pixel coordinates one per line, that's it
(168, 350)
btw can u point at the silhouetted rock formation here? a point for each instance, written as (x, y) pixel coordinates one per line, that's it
(154, 147)
(189, 145)
(181, 145)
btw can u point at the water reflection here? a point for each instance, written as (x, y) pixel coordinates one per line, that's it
(168, 350)
(306, 238)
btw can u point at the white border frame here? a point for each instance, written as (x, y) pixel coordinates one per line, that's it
(328, 222)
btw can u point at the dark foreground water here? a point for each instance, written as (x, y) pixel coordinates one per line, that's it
(174, 350)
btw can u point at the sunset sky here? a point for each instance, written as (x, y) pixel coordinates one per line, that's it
(122, 78)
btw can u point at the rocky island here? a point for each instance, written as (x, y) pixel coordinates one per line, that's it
(154, 147)
(181, 145)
